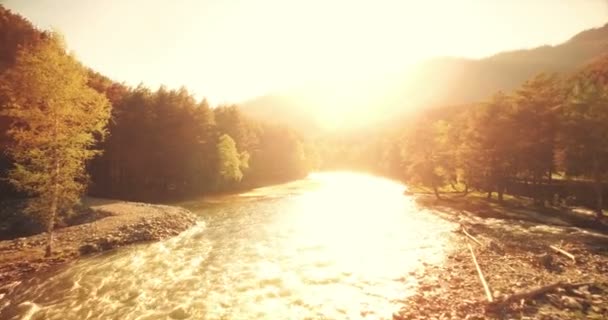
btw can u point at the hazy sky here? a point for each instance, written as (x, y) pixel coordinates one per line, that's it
(230, 50)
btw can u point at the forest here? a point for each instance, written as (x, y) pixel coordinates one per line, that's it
(158, 144)
(547, 140)
(333, 184)
(67, 130)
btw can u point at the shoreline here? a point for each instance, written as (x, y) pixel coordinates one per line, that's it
(515, 257)
(117, 224)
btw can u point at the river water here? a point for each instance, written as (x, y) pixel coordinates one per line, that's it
(333, 246)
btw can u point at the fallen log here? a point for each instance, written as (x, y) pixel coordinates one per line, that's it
(486, 288)
(530, 294)
(470, 236)
(564, 252)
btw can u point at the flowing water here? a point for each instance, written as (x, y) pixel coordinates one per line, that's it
(332, 246)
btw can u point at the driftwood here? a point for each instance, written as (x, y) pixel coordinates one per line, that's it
(486, 288)
(527, 295)
(470, 236)
(564, 252)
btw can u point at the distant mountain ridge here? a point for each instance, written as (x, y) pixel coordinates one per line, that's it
(447, 81)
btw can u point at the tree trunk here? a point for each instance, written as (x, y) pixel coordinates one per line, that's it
(453, 186)
(436, 191)
(598, 188)
(466, 189)
(536, 191)
(500, 194)
(50, 223)
(489, 194)
(53, 214)
(600, 200)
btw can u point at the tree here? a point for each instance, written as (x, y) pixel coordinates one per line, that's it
(280, 155)
(585, 137)
(535, 127)
(489, 145)
(231, 121)
(56, 120)
(230, 161)
(427, 157)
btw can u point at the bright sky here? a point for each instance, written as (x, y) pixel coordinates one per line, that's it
(231, 50)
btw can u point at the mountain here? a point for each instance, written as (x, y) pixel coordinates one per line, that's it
(464, 80)
(435, 82)
(271, 109)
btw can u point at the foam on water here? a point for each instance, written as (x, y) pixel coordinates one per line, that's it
(337, 245)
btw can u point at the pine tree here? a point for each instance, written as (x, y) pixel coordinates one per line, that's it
(427, 158)
(56, 120)
(536, 128)
(489, 145)
(585, 136)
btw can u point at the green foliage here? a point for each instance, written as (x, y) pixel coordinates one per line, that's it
(585, 119)
(164, 145)
(536, 122)
(56, 119)
(230, 161)
(512, 138)
(585, 133)
(280, 155)
(427, 158)
(490, 141)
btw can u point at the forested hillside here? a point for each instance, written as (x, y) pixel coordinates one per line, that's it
(531, 141)
(458, 81)
(442, 81)
(534, 126)
(160, 144)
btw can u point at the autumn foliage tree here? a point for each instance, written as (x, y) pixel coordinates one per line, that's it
(56, 121)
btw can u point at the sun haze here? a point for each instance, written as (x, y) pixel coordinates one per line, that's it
(231, 51)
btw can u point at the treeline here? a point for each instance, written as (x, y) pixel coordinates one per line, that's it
(164, 144)
(552, 127)
(159, 144)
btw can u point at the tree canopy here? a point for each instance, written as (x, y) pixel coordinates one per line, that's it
(56, 121)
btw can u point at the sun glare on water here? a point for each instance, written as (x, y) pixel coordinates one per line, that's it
(336, 245)
(354, 213)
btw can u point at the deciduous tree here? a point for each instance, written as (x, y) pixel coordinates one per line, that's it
(56, 120)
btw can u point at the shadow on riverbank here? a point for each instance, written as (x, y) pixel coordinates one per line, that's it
(514, 252)
(107, 224)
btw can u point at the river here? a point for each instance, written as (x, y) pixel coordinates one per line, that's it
(332, 246)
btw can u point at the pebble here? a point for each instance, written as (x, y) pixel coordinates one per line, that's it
(571, 303)
(179, 314)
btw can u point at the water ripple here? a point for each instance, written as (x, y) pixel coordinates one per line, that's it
(340, 246)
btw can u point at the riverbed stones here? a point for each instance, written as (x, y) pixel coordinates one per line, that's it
(120, 223)
(521, 261)
(88, 248)
(179, 314)
(571, 303)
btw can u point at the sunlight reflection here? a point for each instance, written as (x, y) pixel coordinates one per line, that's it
(333, 246)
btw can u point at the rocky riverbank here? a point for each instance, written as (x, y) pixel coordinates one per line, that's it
(515, 257)
(112, 224)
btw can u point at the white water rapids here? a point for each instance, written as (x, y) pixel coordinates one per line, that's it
(332, 246)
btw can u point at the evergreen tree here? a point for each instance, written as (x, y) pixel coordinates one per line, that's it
(426, 156)
(585, 135)
(490, 145)
(535, 128)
